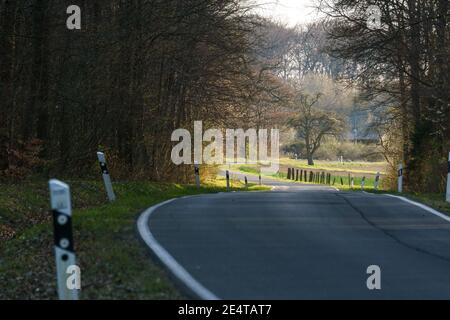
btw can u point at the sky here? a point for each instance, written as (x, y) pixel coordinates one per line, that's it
(291, 12)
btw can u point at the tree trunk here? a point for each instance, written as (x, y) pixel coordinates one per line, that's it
(39, 80)
(6, 66)
(310, 159)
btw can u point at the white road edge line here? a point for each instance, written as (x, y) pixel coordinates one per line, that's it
(417, 204)
(422, 206)
(166, 258)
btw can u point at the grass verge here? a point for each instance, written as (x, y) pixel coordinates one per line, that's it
(113, 261)
(352, 167)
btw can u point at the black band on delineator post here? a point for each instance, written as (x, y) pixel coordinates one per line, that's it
(104, 168)
(62, 231)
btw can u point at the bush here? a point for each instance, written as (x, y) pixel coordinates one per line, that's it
(333, 149)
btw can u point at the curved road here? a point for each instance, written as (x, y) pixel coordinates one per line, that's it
(306, 242)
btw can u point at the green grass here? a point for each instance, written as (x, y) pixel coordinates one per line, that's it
(114, 263)
(336, 177)
(353, 167)
(433, 200)
(248, 169)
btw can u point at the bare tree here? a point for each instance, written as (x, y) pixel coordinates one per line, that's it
(312, 125)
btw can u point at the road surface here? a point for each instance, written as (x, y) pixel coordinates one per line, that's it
(302, 242)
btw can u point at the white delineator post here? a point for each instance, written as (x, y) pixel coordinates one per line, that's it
(228, 180)
(377, 181)
(106, 178)
(197, 174)
(62, 223)
(448, 179)
(400, 178)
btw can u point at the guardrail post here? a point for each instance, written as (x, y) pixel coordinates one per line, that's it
(106, 178)
(246, 183)
(289, 174)
(197, 175)
(377, 181)
(400, 178)
(228, 180)
(63, 239)
(448, 179)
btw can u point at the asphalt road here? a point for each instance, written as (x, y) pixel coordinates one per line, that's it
(306, 242)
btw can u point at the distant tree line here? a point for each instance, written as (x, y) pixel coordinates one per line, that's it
(137, 70)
